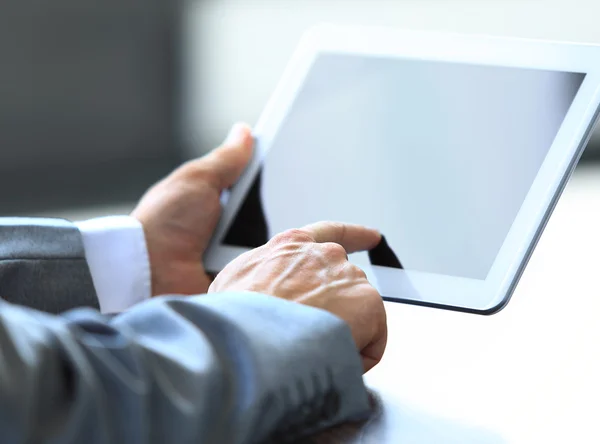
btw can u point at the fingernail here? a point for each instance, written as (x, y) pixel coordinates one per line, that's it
(236, 134)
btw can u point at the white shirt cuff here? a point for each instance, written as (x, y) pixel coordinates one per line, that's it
(116, 253)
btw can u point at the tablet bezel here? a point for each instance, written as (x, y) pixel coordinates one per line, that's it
(456, 293)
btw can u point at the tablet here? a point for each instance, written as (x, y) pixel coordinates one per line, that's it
(455, 147)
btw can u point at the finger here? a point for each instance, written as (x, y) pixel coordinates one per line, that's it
(373, 347)
(371, 355)
(350, 236)
(224, 165)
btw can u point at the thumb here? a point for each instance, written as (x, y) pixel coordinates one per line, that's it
(226, 163)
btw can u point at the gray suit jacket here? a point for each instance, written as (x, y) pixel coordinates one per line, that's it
(227, 368)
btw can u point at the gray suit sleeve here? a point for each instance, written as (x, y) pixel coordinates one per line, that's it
(224, 369)
(43, 266)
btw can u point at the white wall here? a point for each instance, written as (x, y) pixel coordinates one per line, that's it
(239, 48)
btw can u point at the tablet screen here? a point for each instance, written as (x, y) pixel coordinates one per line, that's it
(438, 156)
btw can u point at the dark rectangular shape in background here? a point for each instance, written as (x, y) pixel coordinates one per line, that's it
(88, 99)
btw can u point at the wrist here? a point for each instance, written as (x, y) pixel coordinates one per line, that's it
(175, 265)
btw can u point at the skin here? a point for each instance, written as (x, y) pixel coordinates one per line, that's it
(179, 214)
(310, 266)
(307, 265)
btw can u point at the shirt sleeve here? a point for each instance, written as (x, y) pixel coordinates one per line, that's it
(117, 256)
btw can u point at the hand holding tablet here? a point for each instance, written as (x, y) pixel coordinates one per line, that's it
(456, 148)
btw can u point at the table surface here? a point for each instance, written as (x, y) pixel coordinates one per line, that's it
(529, 374)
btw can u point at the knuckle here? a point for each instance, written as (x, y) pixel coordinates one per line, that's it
(373, 295)
(334, 250)
(339, 228)
(337, 225)
(293, 235)
(194, 169)
(190, 167)
(358, 272)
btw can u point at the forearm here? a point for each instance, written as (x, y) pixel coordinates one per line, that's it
(234, 368)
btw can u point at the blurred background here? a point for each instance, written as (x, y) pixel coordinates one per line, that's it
(98, 100)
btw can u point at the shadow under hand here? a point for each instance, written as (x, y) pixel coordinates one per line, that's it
(398, 424)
